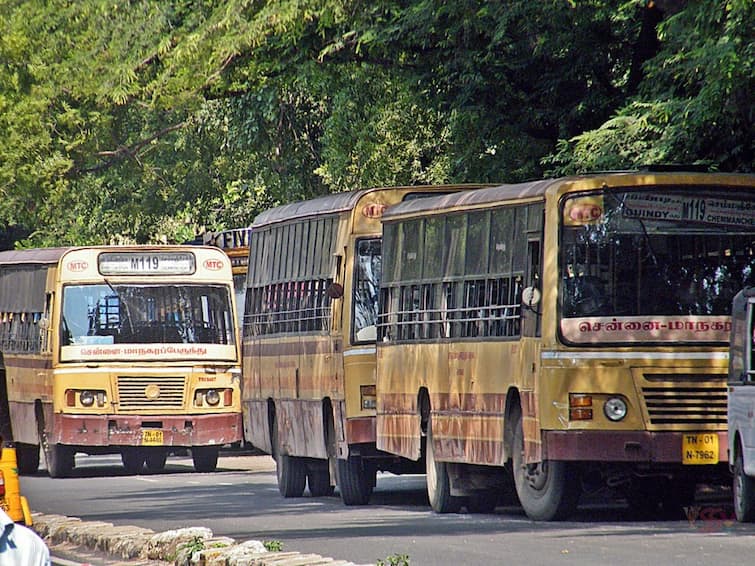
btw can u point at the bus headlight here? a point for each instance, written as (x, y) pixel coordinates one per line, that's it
(86, 398)
(615, 409)
(212, 397)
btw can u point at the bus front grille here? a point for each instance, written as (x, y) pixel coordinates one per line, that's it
(150, 393)
(685, 405)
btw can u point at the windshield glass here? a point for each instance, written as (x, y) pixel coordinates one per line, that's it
(654, 266)
(147, 314)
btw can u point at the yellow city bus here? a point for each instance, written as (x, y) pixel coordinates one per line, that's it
(572, 331)
(128, 349)
(309, 340)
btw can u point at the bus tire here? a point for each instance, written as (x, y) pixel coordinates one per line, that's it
(743, 489)
(438, 482)
(292, 475)
(60, 460)
(290, 471)
(27, 458)
(318, 481)
(354, 481)
(205, 458)
(155, 460)
(132, 459)
(549, 490)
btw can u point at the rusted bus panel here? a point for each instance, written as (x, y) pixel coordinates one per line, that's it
(470, 438)
(294, 367)
(360, 430)
(257, 425)
(181, 430)
(399, 424)
(531, 427)
(300, 428)
(468, 384)
(23, 422)
(400, 434)
(28, 378)
(624, 446)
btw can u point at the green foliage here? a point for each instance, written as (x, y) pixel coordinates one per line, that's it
(694, 105)
(153, 121)
(196, 544)
(395, 560)
(273, 545)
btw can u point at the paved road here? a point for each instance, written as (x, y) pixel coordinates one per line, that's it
(241, 501)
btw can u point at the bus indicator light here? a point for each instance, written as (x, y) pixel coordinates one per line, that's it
(580, 407)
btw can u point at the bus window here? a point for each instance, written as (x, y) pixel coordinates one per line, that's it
(366, 287)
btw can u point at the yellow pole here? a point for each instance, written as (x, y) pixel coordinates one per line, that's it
(12, 499)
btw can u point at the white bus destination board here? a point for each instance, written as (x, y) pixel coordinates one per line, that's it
(146, 263)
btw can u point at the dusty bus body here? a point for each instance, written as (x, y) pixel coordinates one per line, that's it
(572, 331)
(309, 340)
(130, 350)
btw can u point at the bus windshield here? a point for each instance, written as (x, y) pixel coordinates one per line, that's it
(654, 266)
(147, 314)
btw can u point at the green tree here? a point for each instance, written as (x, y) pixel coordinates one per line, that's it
(694, 104)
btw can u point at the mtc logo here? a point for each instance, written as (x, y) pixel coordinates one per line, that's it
(78, 265)
(213, 264)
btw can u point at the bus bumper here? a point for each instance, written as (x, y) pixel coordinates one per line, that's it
(623, 446)
(127, 430)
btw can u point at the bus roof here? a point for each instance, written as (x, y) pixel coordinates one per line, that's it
(343, 202)
(533, 189)
(329, 204)
(32, 256)
(538, 189)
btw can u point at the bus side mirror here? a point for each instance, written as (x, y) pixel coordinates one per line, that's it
(530, 296)
(335, 291)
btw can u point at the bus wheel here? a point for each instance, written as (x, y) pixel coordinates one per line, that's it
(290, 471)
(318, 480)
(133, 460)
(27, 457)
(354, 481)
(744, 492)
(438, 482)
(548, 490)
(60, 460)
(205, 458)
(155, 460)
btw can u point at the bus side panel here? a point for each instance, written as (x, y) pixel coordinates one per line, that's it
(400, 377)
(23, 422)
(27, 379)
(257, 425)
(300, 428)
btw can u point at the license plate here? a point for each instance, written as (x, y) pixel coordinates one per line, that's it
(700, 448)
(152, 437)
